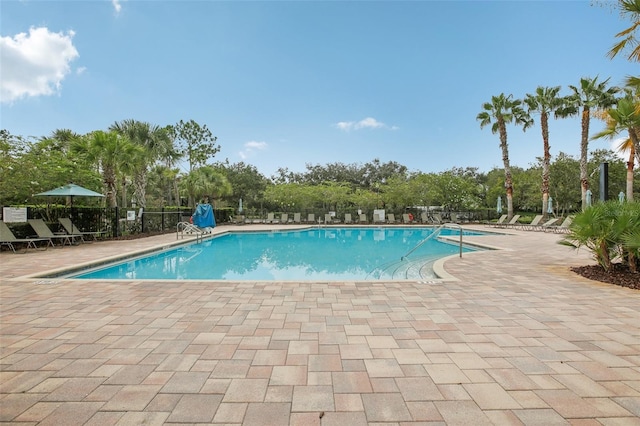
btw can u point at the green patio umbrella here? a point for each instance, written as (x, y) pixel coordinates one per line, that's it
(70, 190)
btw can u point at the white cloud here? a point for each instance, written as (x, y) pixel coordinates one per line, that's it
(34, 64)
(81, 70)
(365, 123)
(251, 147)
(116, 5)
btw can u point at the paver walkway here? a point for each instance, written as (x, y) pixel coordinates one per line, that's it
(517, 339)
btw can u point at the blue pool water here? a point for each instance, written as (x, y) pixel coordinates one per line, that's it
(309, 255)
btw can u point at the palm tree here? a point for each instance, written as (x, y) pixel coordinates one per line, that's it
(631, 9)
(111, 152)
(503, 110)
(157, 145)
(591, 95)
(205, 181)
(625, 117)
(545, 101)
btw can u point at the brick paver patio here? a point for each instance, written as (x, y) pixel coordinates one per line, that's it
(512, 338)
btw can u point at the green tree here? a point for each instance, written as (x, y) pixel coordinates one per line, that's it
(112, 153)
(195, 142)
(156, 145)
(503, 110)
(545, 102)
(590, 95)
(205, 182)
(565, 194)
(247, 182)
(629, 9)
(626, 117)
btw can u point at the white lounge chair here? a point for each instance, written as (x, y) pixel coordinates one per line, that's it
(391, 218)
(311, 218)
(296, 218)
(347, 218)
(362, 218)
(284, 218)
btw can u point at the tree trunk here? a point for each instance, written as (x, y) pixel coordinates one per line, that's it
(508, 181)
(109, 181)
(632, 154)
(546, 159)
(584, 152)
(140, 187)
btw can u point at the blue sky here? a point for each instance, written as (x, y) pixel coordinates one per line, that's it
(286, 83)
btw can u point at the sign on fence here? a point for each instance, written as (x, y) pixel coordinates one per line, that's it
(14, 214)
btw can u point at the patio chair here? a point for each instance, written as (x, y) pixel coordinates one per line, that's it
(311, 218)
(499, 222)
(362, 218)
(563, 227)
(544, 226)
(71, 229)
(512, 223)
(328, 219)
(347, 218)
(536, 220)
(424, 217)
(270, 218)
(44, 231)
(296, 218)
(391, 218)
(284, 218)
(8, 239)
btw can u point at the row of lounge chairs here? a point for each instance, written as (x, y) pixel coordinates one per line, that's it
(45, 236)
(348, 219)
(551, 225)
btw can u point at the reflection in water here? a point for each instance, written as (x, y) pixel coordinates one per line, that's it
(314, 254)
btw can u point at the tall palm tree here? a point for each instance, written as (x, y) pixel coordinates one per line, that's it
(545, 101)
(111, 152)
(591, 95)
(503, 110)
(157, 145)
(625, 117)
(628, 9)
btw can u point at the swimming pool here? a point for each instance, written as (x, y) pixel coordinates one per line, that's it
(315, 254)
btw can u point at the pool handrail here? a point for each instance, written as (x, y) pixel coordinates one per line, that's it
(437, 231)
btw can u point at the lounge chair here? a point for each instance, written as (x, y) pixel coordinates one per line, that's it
(437, 218)
(454, 217)
(284, 218)
(44, 231)
(424, 217)
(499, 222)
(547, 225)
(328, 219)
(536, 220)
(362, 218)
(71, 229)
(563, 227)
(296, 218)
(311, 218)
(270, 218)
(406, 219)
(378, 218)
(512, 223)
(391, 218)
(347, 218)
(8, 239)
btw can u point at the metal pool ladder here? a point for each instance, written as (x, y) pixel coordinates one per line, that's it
(188, 228)
(437, 231)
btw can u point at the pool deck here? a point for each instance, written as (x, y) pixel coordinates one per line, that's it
(513, 338)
